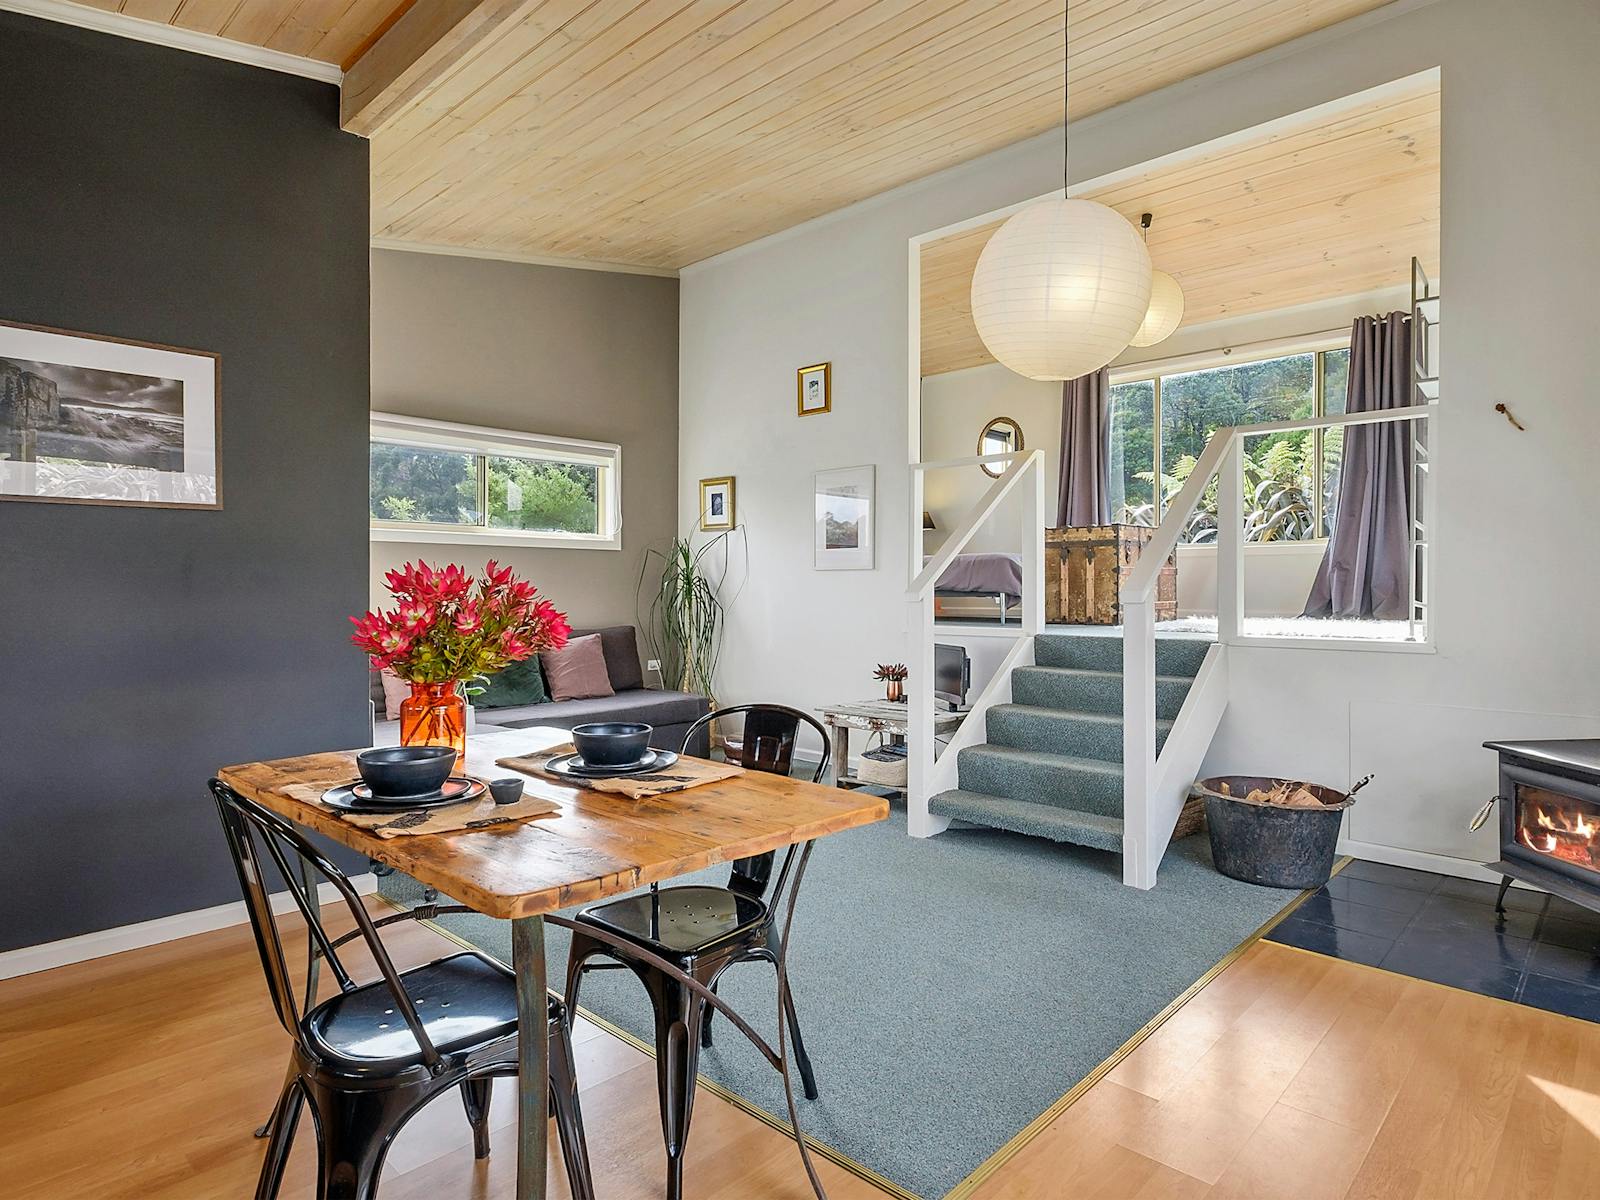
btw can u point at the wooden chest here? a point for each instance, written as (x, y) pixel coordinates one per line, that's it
(1083, 572)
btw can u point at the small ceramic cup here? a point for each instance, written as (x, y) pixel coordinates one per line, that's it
(506, 791)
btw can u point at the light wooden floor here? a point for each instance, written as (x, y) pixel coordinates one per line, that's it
(1293, 1076)
(1290, 1077)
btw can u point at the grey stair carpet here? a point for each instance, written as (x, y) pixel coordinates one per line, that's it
(950, 989)
(1052, 763)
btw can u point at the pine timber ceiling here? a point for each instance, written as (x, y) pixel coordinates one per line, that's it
(1333, 209)
(656, 133)
(330, 31)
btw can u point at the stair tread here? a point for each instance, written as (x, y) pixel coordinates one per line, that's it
(1024, 816)
(1046, 758)
(1076, 714)
(1082, 672)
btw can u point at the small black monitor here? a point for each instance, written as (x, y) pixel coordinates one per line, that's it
(952, 674)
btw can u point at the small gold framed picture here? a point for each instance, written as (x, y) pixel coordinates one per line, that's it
(716, 504)
(814, 389)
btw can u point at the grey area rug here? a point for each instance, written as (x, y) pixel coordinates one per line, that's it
(949, 989)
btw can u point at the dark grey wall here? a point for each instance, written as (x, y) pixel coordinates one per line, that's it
(161, 196)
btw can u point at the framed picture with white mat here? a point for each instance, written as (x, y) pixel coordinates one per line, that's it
(845, 503)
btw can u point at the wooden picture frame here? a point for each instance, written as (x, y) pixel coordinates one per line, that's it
(716, 504)
(813, 389)
(91, 419)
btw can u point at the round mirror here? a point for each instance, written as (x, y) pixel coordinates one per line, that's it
(1000, 436)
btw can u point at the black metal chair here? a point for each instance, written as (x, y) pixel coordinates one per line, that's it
(374, 1054)
(703, 931)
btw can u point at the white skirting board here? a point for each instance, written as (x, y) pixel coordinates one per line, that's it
(1418, 860)
(31, 959)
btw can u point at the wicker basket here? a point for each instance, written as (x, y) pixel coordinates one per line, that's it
(1192, 819)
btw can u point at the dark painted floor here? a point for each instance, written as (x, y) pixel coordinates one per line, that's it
(1545, 952)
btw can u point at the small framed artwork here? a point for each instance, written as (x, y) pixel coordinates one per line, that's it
(716, 504)
(844, 516)
(814, 389)
(97, 420)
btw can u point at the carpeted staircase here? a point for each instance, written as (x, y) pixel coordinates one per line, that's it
(1052, 765)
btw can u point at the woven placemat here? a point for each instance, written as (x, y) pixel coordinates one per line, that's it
(479, 813)
(686, 773)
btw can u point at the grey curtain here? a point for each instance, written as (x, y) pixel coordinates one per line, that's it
(1085, 491)
(1364, 571)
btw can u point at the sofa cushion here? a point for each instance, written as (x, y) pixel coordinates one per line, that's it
(577, 671)
(519, 684)
(395, 691)
(620, 643)
(651, 706)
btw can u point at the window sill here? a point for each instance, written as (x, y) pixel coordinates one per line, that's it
(1365, 645)
(1307, 546)
(497, 537)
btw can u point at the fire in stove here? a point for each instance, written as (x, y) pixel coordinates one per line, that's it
(1562, 827)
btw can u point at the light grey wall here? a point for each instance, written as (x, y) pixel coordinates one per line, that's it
(549, 350)
(1515, 525)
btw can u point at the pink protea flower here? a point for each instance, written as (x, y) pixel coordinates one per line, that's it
(469, 618)
(447, 627)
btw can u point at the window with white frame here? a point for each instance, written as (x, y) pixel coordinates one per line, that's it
(1165, 415)
(435, 481)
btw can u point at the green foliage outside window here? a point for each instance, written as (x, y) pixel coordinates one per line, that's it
(417, 485)
(1283, 472)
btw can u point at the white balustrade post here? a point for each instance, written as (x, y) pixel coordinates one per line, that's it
(1033, 523)
(920, 741)
(1230, 539)
(1139, 858)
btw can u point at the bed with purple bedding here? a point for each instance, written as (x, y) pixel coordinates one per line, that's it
(983, 575)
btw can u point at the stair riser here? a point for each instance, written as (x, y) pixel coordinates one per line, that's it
(1089, 693)
(1034, 824)
(1060, 787)
(1174, 656)
(1059, 733)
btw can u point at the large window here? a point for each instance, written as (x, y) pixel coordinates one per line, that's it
(1290, 479)
(436, 482)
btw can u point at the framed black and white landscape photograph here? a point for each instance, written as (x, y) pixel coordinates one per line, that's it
(97, 420)
(844, 512)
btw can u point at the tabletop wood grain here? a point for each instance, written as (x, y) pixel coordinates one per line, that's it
(597, 845)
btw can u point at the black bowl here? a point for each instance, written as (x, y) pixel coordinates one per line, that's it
(611, 743)
(396, 771)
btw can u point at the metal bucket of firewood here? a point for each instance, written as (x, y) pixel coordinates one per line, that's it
(1275, 832)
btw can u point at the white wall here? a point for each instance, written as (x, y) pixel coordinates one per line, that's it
(1515, 568)
(955, 406)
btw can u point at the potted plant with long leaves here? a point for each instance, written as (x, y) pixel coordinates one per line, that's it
(683, 609)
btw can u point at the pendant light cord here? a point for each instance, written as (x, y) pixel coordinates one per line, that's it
(1066, 76)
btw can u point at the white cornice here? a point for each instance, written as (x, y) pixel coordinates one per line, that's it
(537, 260)
(178, 39)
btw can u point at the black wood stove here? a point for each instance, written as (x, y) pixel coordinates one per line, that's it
(1549, 802)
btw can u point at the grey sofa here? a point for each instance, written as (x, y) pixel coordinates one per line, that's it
(671, 713)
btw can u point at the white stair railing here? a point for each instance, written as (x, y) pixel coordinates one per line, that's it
(1154, 788)
(929, 773)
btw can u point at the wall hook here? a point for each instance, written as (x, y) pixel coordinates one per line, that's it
(1506, 412)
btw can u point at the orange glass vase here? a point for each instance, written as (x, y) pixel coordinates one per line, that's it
(435, 714)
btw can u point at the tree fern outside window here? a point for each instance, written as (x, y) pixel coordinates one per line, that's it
(1290, 479)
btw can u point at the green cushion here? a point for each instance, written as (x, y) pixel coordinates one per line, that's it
(520, 683)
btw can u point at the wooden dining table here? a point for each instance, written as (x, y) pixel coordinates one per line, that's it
(595, 845)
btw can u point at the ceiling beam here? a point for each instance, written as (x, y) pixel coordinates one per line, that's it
(427, 41)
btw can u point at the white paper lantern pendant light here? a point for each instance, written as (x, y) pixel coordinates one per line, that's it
(1062, 286)
(1165, 313)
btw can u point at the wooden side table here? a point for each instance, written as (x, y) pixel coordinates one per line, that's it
(873, 716)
